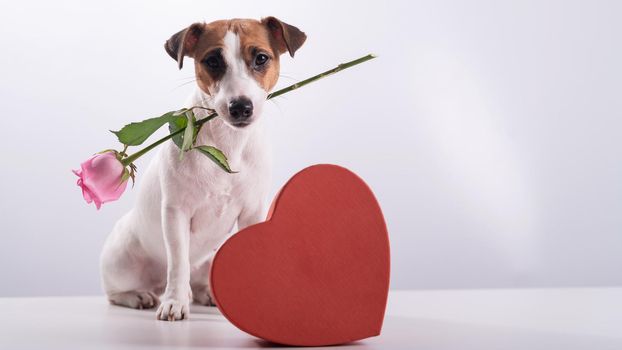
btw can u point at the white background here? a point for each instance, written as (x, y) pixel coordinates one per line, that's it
(489, 131)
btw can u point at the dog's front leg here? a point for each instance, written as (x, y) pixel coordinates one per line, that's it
(176, 299)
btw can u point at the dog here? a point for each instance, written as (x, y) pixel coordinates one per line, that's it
(159, 253)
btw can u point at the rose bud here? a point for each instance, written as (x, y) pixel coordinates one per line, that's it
(101, 178)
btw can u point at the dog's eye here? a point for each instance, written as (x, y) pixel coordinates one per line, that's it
(261, 59)
(212, 62)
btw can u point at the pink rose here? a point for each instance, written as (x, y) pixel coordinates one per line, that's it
(101, 178)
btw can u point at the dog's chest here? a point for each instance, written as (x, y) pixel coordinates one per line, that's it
(217, 205)
(212, 204)
(211, 224)
(209, 191)
(213, 198)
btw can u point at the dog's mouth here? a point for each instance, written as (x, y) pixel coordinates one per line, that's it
(241, 124)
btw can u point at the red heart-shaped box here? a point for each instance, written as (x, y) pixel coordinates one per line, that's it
(316, 272)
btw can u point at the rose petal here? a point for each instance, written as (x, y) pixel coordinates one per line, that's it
(100, 178)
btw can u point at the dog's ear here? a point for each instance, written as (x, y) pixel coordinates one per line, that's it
(286, 37)
(184, 42)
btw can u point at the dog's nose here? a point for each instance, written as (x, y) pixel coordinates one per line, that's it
(241, 108)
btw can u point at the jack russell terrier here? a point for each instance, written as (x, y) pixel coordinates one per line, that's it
(186, 208)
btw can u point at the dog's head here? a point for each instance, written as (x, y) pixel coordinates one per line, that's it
(236, 62)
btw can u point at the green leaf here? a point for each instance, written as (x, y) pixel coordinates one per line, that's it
(188, 134)
(180, 123)
(135, 134)
(216, 156)
(176, 125)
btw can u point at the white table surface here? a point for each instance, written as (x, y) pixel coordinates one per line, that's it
(572, 318)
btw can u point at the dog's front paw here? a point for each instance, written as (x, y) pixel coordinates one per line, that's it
(172, 309)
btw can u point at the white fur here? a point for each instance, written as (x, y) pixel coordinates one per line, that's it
(186, 208)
